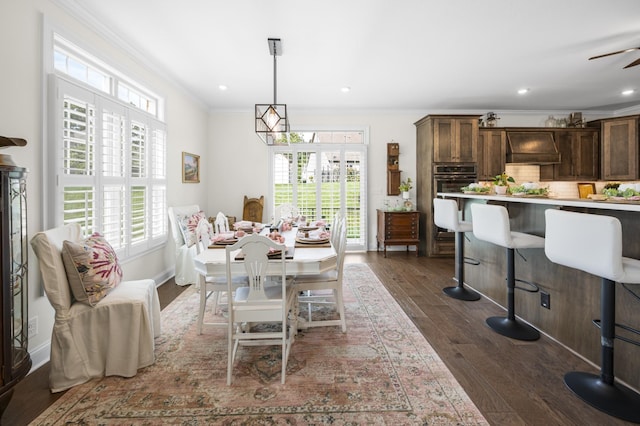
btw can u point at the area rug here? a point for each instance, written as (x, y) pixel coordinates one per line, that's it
(382, 371)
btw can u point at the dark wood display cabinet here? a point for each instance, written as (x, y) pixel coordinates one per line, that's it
(398, 228)
(393, 169)
(15, 361)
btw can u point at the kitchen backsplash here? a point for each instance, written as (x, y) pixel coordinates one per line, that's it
(531, 173)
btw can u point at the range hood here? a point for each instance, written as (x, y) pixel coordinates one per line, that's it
(531, 147)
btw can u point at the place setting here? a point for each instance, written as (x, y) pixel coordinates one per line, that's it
(315, 238)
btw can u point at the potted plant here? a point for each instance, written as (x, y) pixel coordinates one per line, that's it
(405, 187)
(501, 182)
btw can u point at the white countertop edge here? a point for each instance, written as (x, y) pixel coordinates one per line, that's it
(604, 205)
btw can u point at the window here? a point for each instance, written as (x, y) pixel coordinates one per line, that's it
(322, 173)
(107, 159)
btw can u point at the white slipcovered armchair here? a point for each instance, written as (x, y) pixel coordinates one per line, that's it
(185, 270)
(109, 335)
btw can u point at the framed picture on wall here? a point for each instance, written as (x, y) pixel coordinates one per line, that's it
(190, 168)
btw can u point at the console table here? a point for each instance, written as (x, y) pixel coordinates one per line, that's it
(398, 228)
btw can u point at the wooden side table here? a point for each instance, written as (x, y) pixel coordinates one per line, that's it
(396, 228)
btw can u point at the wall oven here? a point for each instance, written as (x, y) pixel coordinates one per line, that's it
(450, 178)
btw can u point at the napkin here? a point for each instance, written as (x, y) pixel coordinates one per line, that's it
(222, 236)
(319, 234)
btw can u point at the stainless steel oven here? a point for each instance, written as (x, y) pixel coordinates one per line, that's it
(450, 178)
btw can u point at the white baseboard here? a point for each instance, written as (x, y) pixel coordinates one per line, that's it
(40, 356)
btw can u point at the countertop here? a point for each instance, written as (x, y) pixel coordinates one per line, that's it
(633, 206)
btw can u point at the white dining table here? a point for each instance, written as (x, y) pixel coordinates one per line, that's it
(306, 260)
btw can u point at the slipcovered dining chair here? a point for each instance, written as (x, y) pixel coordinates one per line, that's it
(210, 286)
(259, 303)
(310, 287)
(179, 216)
(252, 209)
(102, 326)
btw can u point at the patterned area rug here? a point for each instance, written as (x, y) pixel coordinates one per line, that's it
(380, 372)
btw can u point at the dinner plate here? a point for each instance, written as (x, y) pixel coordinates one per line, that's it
(306, 240)
(226, 242)
(276, 254)
(307, 228)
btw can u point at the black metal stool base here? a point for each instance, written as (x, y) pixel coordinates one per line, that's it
(615, 400)
(461, 293)
(513, 328)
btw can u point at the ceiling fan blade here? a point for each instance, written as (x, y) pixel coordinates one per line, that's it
(614, 53)
(633, 64)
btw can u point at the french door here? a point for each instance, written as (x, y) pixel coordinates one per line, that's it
(322, 180)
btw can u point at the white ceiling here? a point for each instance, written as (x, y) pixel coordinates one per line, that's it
(395, 55)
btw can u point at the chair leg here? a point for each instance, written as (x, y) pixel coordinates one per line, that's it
(216, 301)
(510, 326)
(601, 391)
(337, 294)
(460, 292)
(203, 301)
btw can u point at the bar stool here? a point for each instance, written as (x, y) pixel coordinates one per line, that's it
(445, 215)
(491, 224)
(593, 243)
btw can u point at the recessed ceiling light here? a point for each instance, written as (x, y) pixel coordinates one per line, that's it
(345, 89)
(523, 91)
(222, 87)
(628, 92)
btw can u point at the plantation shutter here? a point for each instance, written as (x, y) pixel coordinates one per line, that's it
(110, 173)
(322, 179)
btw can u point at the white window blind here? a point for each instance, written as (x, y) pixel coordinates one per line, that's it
(322, 174)
(110, 168)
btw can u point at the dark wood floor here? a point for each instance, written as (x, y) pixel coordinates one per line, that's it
(511, 382)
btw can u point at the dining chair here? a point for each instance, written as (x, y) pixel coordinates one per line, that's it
(210, 286)
(338, 222)
(221, 223)
(285, 211)
(259, 303)
(101, 327)
(184, 252)
(312, 289)
(252, 209)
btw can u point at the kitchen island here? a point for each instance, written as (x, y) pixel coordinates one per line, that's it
(574, 295)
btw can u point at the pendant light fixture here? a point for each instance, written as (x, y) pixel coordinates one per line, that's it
(272, 122)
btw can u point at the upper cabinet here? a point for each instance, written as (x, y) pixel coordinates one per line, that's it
(619, 150)
(492, 151)
(455, 138)
(579, 155)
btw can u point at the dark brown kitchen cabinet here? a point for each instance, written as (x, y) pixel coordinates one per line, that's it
(15, 361)
(619, 149)
(492, 152)
(579, 156)
(455, 139)
(398, 228)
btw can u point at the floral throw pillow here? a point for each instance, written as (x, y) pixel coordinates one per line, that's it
(189, 225)
(92, 268)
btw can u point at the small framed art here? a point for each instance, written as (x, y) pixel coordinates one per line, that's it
(585, 189)
(190, 168)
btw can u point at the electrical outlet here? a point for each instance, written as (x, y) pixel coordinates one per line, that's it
(545, 300)
(32, 327)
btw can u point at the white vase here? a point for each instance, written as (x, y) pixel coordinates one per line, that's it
(405, 195)
(500, 190)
